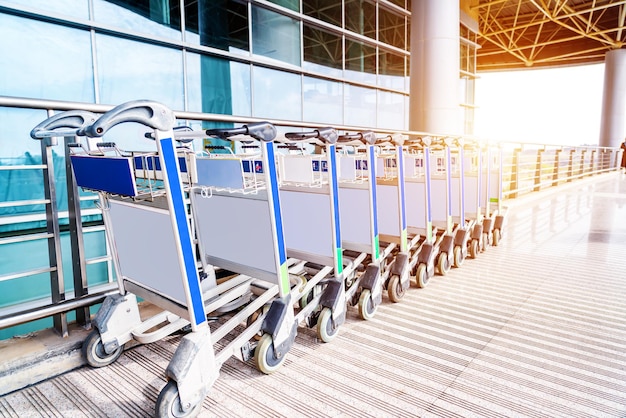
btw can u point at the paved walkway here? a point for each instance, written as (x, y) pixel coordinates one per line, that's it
(532, 328)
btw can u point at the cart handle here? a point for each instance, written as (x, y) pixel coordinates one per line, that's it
(366, 137)
(146, 112)
(263, 131)
(328, 135)
(182, 138)
(63, 124)
(396, 139)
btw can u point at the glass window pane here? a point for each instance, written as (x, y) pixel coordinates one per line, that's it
(15, 141)
(322, 51)
(391, 29)
(398, 2)
(326, 10)
(45, 61)
(153, 17)
(391, 70)
(390, 110)
(216, 85)
(323, 101)
(275, 36)
(130, 70)
(74, 8)
(221, 24)
(361, 17)
(276, 94)
(360, 107)
(360, 62)
(289, 4)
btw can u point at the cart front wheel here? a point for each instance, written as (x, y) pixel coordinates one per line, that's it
(93, 351)
(367, 308)
(421, 276)
(473, 250)
(326, 330)
(394, 289)
(264, 357)
(443, 264)
(168, 403)
(458, 256)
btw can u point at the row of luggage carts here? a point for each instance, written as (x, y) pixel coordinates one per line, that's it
(243, 244)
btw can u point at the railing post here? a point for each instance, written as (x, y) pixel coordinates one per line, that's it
(555, 170)
(515, 168)
(57, 284)
(538, 171)
(79, 265)
(581, 171)
(570, 166)
(592, 165)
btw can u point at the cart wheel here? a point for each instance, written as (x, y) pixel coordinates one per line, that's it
(168, 403)
(442, 264)
(496, 237)
(264, 357)
(486, 241)
(421, 277)
(305, 299)
(367, 309)
(473, 250)
(93, 351)
(394, 289)
(326, 331)
(458, 256)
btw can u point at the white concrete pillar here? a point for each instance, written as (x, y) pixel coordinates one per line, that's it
(613, 119)
(434, 101)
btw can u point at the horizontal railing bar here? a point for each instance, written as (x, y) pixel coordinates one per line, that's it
(26, 273)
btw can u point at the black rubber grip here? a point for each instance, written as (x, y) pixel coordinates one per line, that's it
(106, 145)
(327, 134)
(74, 145)
(263, 131)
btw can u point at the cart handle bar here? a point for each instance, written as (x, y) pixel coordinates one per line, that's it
(151, 114)
(63, 124)
(395, 139)
(263, 131)
(328, 135)
(366, 137)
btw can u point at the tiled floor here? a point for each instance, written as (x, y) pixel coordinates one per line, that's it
(532, 328)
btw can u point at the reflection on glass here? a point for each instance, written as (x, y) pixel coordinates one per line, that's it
(129, 70)
(275, 36)
(390, 110)
(391, 70)
(391, 28)
(216, 85)
(323, 101)
(74, 8)
(219, 24)
(360, 62)
(276, 94)
(361, 17)
(326, 10)
(48, 62)
(360, 107)
(153, 17)
(15, 140)
(322, 51)
(289, 4)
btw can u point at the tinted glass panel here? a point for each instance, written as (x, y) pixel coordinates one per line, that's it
(360, 106)
(75, 8)
(322, 51)
(277, 94)
(219, 24)
(289, 4)
(216, 85)
(391, 70)
(326, 10)
(275, 36)
(390, 110)
(360, 61)
(45, 61)
(361, 17)
(391, 28)
(323, 101)
(129, 70)
(153, 17)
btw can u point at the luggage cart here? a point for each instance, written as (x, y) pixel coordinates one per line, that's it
(494, 216)
(473, 162)
(419, 207)
(390, 189)
(463, 225)
(145, 210)
(309, 198)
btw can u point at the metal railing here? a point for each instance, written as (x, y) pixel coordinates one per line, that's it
(525, 168)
